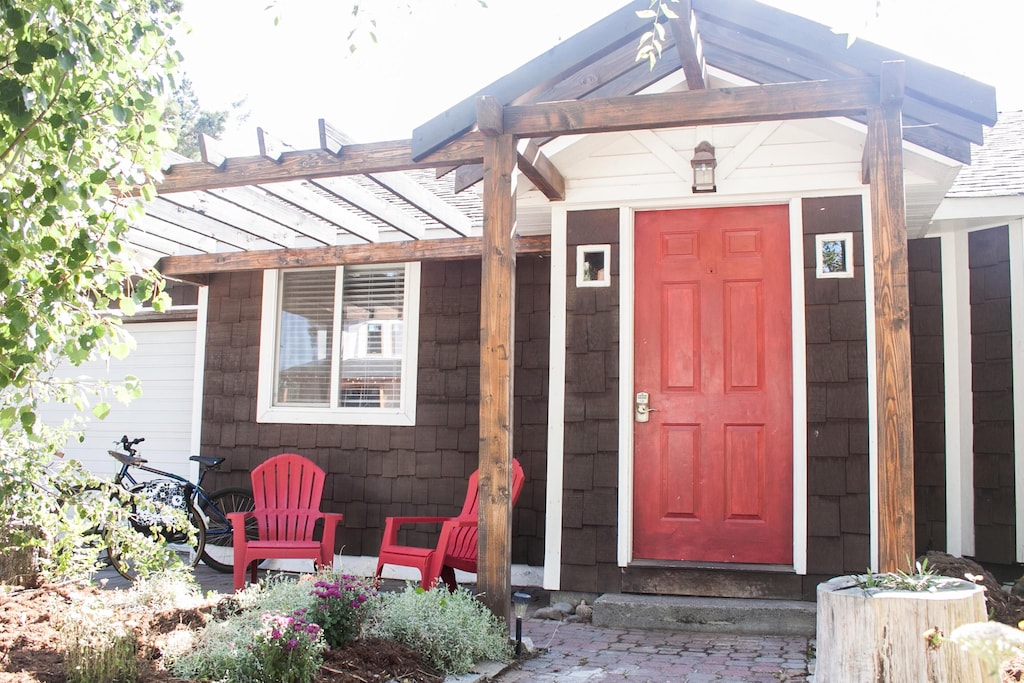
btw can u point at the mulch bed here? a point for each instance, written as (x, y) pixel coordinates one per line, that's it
(29, 654)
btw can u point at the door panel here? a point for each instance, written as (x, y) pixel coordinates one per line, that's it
(713, 349)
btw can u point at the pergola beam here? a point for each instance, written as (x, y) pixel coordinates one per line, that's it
(742, 104)
(188, 266)
(354, 159)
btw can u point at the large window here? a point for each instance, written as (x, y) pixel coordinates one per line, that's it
(338, 345)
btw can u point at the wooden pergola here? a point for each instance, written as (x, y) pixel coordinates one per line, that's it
(588, 84)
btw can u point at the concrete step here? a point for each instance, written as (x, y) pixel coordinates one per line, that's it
(706, 615)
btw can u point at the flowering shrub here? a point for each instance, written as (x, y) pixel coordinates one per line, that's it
(289, 649)
(338, 607)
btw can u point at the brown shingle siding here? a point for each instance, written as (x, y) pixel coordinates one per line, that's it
(375, 471)
(837, 398)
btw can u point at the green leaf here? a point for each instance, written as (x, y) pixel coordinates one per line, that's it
(28, 419)
(101, 410)
(98, 176)
(120, 113)
(15, 18)
(26, 51)
(28, 189)
(47, 50)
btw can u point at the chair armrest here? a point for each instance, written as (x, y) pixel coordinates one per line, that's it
(392, 524)
(237, 520)
(331, 522)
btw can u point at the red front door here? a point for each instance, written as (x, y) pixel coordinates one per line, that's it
(713, 477)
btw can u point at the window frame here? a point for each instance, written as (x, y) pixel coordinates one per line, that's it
(268, 412)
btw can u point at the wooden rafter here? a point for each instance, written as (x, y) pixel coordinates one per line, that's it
(688, 46)
(270, 147)
(360, 197)
(541, 171)
(569, 56)
(210, 151)
(199, 223)
(189, 266)
(332, 139)
(748, 19)
(255, 200)
(336, 213)
(417, 195)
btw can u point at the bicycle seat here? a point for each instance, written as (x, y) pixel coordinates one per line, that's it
(205, 461)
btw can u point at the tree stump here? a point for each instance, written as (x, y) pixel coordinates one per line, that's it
(878, 635)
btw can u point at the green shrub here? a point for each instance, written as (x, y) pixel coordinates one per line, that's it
(451, 630)
(224, 651)
(339, 606)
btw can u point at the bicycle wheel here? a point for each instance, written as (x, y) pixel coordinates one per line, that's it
(220, 553)
(164, 542)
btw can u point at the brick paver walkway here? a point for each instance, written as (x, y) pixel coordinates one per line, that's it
(581, 652)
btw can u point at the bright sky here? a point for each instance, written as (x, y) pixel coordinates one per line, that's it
(299, 69)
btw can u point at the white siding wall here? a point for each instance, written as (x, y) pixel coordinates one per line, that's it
(164, 360)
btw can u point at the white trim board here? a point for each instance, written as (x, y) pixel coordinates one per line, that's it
(959, 398)
(872, 345)
(1016, 230)
(556, 402)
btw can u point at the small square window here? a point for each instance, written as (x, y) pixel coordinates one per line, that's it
(593, 265)
(834, 255)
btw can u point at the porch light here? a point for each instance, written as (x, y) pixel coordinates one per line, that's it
(519, 603)
(704, 163)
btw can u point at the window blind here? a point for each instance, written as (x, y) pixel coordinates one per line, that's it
(373, 324)
(305, 337)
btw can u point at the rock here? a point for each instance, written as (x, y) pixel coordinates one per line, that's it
(563, 607)
(584, 611)
(549, 613)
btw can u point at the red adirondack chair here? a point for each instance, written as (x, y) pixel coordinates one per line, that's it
(286, 491)
(456, 546)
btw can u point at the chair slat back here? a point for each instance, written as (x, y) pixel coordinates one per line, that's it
(462, 543)
(286, 491)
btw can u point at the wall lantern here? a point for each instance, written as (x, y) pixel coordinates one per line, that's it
(704, 163)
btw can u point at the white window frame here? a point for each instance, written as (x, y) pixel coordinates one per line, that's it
(404, 415)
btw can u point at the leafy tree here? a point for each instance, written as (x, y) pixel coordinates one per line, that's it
(187, 119)
(81, 89)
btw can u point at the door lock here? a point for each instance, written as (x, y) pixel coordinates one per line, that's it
(643, 408)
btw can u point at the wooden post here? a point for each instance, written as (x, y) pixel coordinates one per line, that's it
(497, 289)
(892, 326)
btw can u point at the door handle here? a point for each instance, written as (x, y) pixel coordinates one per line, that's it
(642, 407)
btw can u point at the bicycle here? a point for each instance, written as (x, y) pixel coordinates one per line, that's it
(211, 537)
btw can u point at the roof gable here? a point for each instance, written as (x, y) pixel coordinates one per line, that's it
(943, 111)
